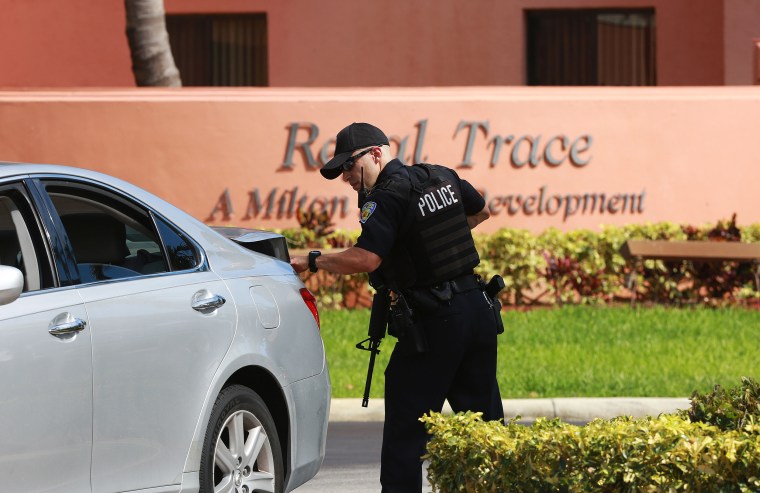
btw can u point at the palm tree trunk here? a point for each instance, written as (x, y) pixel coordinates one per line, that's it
(152, 60)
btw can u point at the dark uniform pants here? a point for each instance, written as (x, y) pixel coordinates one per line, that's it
(460, 366)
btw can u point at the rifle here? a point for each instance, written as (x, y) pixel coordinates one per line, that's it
(378, 321)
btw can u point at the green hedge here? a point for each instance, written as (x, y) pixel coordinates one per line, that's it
(669, 453)
(579, 266)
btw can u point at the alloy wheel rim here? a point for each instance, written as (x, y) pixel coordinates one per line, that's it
(243, 460)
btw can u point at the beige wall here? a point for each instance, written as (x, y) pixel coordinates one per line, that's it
(683, 155)
(345, 43)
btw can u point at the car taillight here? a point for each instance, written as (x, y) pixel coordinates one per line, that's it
(311, 302)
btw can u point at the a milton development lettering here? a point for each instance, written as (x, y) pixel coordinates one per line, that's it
(515, 151)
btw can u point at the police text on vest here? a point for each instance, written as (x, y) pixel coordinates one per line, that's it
(436, 200)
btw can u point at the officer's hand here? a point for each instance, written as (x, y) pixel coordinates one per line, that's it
(299, 263)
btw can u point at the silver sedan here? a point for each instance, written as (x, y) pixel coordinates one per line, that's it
(143, 351)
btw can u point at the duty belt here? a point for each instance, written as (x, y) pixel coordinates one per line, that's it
(464, 283)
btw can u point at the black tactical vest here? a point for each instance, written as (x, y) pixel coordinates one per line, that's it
(435, 243)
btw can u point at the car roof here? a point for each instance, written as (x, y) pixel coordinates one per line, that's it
(21, 170)
(213, 241)
(8, 169)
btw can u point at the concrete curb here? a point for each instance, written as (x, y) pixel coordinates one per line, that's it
(567, 409)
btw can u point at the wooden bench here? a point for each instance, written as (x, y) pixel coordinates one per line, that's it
(636, 251)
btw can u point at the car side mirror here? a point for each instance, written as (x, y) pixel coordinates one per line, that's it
(11, 284)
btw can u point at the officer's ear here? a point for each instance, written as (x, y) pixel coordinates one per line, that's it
(371, 154)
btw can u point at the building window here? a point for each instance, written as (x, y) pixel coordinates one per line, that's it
(220, 50)
(591, 47)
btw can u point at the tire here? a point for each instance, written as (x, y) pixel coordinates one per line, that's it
(241, 449)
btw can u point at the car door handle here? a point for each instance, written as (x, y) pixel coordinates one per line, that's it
(76, 325)
(207, 304)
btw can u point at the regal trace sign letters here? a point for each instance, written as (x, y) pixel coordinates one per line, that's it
(507, 153)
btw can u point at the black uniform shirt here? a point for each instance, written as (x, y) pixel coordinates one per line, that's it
(383, 211)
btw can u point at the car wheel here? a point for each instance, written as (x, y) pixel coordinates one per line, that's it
(241, 450)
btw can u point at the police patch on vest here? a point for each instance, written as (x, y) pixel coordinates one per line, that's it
(367, 210)
(436, 199)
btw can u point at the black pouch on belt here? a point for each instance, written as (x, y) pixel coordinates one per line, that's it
(442, 292)
(422, 300)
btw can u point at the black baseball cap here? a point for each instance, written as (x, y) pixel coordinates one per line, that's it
(351, 138)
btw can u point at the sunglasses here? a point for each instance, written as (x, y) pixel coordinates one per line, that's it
(350, 162)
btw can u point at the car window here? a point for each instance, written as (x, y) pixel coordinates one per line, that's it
(111, 236)
(180, 251)
(21, 242)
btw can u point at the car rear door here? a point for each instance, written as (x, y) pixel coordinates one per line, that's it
(45, 361)
(161, 323)
(154, 358)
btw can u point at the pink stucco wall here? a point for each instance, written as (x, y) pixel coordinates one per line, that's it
(679, 154)
(60, 43)
(741, 26)
(450, 43)
(346, 43)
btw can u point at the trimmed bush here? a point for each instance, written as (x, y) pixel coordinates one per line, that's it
(669, 453)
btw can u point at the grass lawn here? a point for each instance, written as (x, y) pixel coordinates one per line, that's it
(582, 351)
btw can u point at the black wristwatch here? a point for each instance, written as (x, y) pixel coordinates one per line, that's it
(313, 260)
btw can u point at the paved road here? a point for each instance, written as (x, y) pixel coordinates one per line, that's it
(352, 460)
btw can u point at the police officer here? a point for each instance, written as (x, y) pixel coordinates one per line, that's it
(416, 240)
